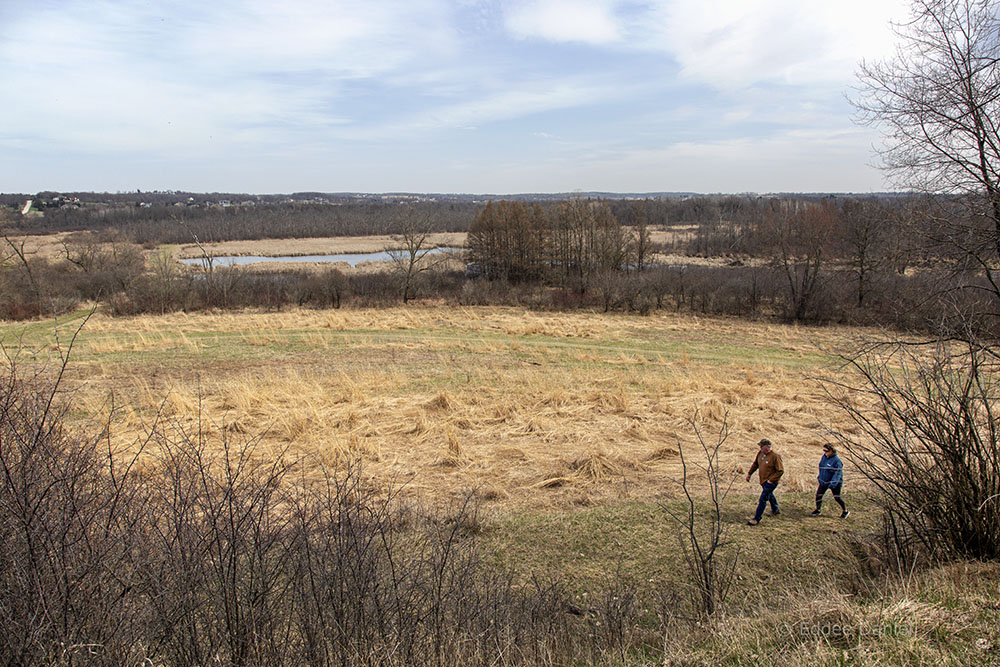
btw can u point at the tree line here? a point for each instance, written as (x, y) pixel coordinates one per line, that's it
(158, 219)
(162, 223)
(804, 259)
(571, 243)
(872, 260)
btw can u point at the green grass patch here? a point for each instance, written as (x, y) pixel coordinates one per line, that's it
(557, 351)
(800, 597)
(583, 546)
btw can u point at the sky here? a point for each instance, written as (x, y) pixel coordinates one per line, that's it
(446, 96)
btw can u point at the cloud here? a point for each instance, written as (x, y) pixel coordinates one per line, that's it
(346, 38)
(835, 163)
(113, 76)
(732, 44)
(232, 38)
(254, 87)
(517, 102)
(587, 21)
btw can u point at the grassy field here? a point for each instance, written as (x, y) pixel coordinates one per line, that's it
(568, 428)
(533, 409)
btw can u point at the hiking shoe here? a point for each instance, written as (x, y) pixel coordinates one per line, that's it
(845, 514)
(814, 513)
(752, 522)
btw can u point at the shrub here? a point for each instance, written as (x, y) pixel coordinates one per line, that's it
(926, 438)
(218, 553)
(72, 536)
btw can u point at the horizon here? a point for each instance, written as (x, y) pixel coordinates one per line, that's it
(405, 193)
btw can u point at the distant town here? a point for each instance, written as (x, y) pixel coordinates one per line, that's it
(28, 203)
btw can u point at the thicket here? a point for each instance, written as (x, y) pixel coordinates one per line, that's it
(187, 548)
(926, 438)
(914, 302)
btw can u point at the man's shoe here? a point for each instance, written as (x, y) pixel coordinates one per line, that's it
(845, 514)
(752, 522)
(775, 512)
(814, 513)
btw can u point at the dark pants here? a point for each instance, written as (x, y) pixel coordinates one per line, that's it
(766, 496)
(821, 491)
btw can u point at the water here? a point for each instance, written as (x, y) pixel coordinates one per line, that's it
(353, 258)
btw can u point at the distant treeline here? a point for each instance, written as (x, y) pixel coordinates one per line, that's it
(874, 260)
(157, 224)
(154, 218)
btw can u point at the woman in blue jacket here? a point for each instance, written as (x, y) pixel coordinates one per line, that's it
(831, 476)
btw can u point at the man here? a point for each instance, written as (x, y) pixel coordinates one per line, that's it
(769, 469)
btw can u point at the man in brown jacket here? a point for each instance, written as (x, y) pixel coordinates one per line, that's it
(769, 468)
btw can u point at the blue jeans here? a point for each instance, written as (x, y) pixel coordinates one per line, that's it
(766, 496)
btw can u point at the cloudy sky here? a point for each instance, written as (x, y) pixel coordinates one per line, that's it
(474, 96)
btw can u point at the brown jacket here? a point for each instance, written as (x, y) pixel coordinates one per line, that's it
(769, 467)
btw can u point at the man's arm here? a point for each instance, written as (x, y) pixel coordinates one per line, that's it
(779, 470)
(753, 466)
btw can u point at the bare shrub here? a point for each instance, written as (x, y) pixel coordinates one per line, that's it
(927, 440)
(325, 289)
(482, 292)
(72, 538)
(218, 552)
(703, 539)
(375, 289)
(215, 584)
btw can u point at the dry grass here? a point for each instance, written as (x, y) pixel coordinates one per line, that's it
(568, 426)
(333, 245)
(555, 409)
(927, 621)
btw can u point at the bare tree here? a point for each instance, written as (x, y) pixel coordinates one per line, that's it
(801, 235)
(411, 247)
(925, 431)
(508, 241)
(641, 245)
(867, 228)
(586, 240)
(25, 263)
(938, 102)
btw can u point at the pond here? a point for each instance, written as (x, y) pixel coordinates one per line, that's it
(353, 258)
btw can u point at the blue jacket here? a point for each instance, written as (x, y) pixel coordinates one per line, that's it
(831, 470)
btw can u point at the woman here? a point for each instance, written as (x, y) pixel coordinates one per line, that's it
(831, 476)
